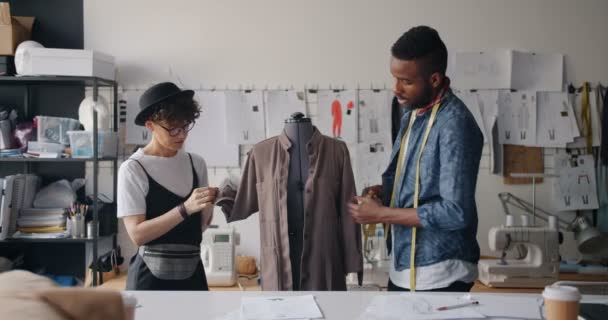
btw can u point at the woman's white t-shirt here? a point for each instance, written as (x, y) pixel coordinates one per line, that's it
(173, 173)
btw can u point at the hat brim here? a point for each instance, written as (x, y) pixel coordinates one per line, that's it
(146, 112)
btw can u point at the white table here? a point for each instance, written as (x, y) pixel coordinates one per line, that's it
(169, 305)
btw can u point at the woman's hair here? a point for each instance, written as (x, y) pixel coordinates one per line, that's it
(177, 111)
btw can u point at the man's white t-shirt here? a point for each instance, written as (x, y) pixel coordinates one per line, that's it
(173, 173)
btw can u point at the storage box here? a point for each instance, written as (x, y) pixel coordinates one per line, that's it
(13, 30)
(68, 62)
(7, 65)
(55, 129)
(81, 143)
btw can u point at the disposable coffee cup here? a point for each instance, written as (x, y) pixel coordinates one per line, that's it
(129, 302)
(561, 302)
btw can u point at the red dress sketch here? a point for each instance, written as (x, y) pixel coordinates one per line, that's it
(336, 113)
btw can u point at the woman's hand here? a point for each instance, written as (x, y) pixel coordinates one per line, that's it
(201, 198)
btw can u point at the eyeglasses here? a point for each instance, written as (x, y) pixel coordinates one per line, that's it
(177, 130)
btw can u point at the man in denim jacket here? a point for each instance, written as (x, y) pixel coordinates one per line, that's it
(446, 249)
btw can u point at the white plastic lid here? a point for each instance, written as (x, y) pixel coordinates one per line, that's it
(562, 293)
(129, 299)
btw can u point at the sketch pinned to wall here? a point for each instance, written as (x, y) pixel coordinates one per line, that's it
(488, 105)
(375, 115)
(280, 105)
(481, 70)
(580, 141)
(338, 114)
(471, 100)
(207, 138)
(537, 71)
(556, 120)
(575, 188)
(371, 162)
(137, 135)
(506, 69)
(244, 117)
(517, 118)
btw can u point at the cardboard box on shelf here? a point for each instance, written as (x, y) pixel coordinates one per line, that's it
(13, 30)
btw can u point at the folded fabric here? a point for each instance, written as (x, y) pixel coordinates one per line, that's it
(42, 230)
(40, 224)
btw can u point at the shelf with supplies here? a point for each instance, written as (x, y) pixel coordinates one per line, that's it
(29, 96)
(56, 80)
(24, 159)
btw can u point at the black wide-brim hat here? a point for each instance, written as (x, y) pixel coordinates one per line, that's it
(155, 95)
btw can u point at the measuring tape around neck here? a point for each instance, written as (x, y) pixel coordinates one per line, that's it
(400, 161)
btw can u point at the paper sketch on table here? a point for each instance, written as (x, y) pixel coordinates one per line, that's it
(537, 71)
(556, 120)
(580, 141)
(375, 115)
(371, 162)
(208, 136)
(517, 118)
(418, 307)
(471, 100)
(280, 105)
(576, 187)
(137, 135)
(244, 117)
(338, 114)
(276, 308)
(481, 70)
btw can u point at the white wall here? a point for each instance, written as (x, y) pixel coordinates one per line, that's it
(280, 43)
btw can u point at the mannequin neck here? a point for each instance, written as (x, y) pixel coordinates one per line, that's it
(299, 132)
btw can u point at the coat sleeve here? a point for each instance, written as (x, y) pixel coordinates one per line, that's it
(351, 231)
(246, 198)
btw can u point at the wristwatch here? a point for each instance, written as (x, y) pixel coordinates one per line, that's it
(182, 210)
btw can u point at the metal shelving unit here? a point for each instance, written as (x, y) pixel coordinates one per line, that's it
(27, 82)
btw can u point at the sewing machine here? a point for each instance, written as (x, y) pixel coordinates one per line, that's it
(538, 268)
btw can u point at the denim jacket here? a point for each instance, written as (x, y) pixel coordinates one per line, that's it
(448, 176)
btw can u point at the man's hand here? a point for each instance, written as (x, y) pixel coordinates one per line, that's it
(366, 210)
(374, 192)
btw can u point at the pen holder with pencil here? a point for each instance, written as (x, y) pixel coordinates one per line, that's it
(77, 229)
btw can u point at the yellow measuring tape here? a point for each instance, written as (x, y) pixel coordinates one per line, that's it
(400, 161)
(586, 117)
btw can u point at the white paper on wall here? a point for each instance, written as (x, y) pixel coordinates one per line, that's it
(575, 188)
(537, 71)
(555, 120)
(517, 118)
(471, 100)
(338, 114)
(488, 105)
(244, 117)
(375, 115)
(137, 135)
(481, 70)
(207, 138)
(371, 162)
(280, 105)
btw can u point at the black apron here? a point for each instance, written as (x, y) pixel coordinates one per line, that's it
(159, 200)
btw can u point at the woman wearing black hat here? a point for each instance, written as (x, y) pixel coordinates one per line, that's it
(163, 195)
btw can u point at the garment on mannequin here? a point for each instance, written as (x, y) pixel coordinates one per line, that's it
(300, 182)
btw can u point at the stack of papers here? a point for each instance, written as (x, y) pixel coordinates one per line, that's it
(276, 308)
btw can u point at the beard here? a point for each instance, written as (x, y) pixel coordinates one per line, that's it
(425, 98)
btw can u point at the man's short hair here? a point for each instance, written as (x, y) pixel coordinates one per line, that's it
(424, 44)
